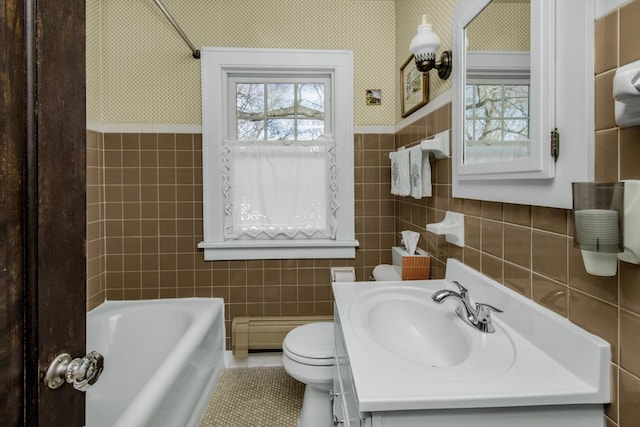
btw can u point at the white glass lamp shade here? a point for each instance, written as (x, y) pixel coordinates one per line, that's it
(425, 43)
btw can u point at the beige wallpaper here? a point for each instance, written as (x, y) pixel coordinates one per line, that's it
(148, 75)
(408, 16)
(501, 26)
(94, 61)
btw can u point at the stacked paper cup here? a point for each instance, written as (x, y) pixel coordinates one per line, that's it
(598, 233)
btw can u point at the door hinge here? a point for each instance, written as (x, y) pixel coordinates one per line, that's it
(555, 144)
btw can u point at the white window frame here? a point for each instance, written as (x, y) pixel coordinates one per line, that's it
(218, 66)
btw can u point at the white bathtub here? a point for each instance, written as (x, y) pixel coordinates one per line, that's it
(162, 360)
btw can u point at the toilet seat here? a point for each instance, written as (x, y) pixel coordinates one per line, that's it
(310, 344)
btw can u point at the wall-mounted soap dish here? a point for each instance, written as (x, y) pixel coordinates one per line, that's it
(452, 226)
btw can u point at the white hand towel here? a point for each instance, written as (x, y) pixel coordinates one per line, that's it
(415, 158)
(400, 180)
(426, 175)
(394, 173)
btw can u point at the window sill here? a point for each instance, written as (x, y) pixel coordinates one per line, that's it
(278, 249)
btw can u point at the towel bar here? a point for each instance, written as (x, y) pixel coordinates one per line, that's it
(438, 145)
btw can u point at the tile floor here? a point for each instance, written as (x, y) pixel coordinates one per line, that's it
(263, 396)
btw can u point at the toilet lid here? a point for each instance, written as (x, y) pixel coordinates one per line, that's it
(311, 344)
(386, 272)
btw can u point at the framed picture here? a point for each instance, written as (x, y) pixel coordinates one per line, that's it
(374, 97)
(414, 87)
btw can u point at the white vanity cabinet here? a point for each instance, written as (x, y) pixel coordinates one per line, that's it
(345, 401)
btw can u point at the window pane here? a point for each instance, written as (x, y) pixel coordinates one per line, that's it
(311, 100)
(516, 101)
(279, 129)
(250, 129)
(310, 129)
(488, 130)
(280, 99)
(280, 110)
(516, 91)
(468, 130)
(488, 100)
(468, 101)
(249, 99)
(516, 130)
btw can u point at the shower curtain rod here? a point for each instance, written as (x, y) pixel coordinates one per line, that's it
(195, 52)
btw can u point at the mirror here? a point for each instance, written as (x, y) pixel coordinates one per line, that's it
(504, 87)
(497, 74)
(501, 128)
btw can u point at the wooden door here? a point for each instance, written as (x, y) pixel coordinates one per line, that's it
(42, 207)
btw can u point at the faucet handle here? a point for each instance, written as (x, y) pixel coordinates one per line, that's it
(483, 316)
(463, 291)
(486, 308)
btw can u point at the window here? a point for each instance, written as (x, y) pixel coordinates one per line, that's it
(280, 108)
(496, 125)
(277, 154)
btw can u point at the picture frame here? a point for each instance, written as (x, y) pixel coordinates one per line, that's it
(414, 87)
(373, 97)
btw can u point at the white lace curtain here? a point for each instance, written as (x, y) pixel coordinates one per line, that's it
(280, 189)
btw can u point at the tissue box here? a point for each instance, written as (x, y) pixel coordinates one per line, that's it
(414, 267)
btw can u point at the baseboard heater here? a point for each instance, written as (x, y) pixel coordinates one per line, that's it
(265, 333)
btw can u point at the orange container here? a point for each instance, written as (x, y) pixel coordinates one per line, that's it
(416, 267)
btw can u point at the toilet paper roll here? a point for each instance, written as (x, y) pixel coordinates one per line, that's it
(343, 274)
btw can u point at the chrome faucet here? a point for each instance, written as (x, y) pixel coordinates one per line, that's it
(478, 317)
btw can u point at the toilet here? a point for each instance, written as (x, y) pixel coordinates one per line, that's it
(308, 353)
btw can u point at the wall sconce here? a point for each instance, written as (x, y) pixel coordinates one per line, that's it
(424, 46)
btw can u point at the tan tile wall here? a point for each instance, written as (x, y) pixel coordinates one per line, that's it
(96, 278)
(153, 223)
(530, 248)
(617, 158)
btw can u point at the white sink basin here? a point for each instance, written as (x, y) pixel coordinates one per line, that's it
(404, 326)
(406, 323)
(406, 352)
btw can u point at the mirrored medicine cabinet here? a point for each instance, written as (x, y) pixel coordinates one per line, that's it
(522, 70)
